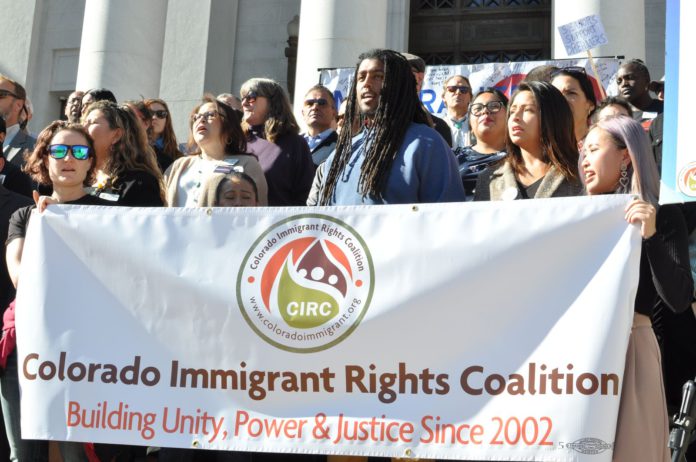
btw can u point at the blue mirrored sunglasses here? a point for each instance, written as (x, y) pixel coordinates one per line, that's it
(60, 151)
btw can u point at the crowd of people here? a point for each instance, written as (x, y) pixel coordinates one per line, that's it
(553, 137)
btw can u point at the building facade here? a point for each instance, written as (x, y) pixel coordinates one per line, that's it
(179, 49)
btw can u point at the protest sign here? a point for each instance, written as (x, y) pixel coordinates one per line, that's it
(583, 34)
(503, 76)
(482, 331)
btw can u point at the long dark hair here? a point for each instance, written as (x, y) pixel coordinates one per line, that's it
(132, 151)
(558, 144)
(280, 120)
(398, 107)
(170, 147)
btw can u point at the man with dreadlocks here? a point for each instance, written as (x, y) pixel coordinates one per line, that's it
(396, 158)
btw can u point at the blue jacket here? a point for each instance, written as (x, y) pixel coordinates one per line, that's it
(424, 170)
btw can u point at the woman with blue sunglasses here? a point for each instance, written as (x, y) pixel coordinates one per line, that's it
(63, 158)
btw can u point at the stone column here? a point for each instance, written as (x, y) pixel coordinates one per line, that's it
(332, 34)
(20, 23)
(623, 20)
(198, 57)
(121, 47)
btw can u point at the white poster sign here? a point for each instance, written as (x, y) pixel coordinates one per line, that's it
(485, 331)
(583, 34)
(503, 76)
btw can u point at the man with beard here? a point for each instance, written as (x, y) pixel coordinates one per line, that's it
(397, 158)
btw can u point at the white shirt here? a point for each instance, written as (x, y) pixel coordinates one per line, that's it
(10, 133)
(314, 141)
(192, 180)
(460, 132)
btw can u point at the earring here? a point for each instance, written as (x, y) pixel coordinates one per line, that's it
(623, 179)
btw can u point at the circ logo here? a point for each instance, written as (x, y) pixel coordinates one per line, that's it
(686, 180)
(306, 283)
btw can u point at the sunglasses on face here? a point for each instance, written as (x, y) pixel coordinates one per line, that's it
(318, 101)
(250, 97)
(463, 89)
(162, 114)
(492, 107)
(60, 151)
(208, 116)
(6, 93)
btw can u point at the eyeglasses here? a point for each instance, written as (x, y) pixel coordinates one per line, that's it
(318, 101)
(6, 93)
(251, 97)
(60, 151)
(159, 114)
(463, 89)
(492, 107)
(208, 116)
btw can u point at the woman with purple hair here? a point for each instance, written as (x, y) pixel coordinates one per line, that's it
(617, 158)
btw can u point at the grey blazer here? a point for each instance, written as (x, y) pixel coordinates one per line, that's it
(14, 152)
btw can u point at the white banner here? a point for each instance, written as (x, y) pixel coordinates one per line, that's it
(486, 331)
(503, 76)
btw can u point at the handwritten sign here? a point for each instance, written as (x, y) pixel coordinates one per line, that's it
(583, 34)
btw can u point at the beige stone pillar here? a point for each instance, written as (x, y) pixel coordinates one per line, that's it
(121, 47)
(332, 34)
(623, 20)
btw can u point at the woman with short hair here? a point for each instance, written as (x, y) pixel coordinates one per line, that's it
(487, 117)
(217, 144)
(612, 106)
(63, 158)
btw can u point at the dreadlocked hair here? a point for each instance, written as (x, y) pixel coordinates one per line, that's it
(398, 107)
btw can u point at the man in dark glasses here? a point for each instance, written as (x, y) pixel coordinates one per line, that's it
(13, 109)
(456, 93)
(319, 114)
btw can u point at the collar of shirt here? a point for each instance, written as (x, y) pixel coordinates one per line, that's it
(314, 141)
(10, 133)
(459, 123)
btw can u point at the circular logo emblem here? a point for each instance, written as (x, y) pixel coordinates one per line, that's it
(686, 180)
(306, 283)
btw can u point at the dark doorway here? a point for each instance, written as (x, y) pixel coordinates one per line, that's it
(480, 31)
